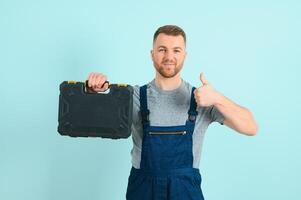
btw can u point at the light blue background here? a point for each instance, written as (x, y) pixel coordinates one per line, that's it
(248, 50)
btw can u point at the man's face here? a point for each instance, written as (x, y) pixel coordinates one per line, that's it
(168, 54)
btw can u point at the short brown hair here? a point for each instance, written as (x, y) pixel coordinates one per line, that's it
(170, 30)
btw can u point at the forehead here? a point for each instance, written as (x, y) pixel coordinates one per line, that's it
(169, 41)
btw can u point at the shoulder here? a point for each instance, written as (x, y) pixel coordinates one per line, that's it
(187, 86)
(136, 92)
(136, 89)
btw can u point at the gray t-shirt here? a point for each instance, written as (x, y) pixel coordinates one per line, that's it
(169, 108)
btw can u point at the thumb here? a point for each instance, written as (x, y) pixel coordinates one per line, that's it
(203, 79)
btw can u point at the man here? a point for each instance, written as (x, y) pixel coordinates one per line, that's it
(169, 122)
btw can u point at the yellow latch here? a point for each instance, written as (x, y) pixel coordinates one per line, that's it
(122, 85)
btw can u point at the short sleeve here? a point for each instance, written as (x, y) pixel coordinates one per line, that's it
(136, 105)
(216, 115)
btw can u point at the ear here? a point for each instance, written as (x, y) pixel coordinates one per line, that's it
(152, 54)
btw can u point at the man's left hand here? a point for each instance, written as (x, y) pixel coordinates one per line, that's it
(205, 95)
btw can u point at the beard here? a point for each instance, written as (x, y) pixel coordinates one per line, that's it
(168, 71)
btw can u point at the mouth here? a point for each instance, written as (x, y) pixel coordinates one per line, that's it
(168, 64)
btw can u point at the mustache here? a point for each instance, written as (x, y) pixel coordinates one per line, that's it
(169, 62)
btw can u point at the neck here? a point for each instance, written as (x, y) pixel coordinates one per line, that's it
(168, 83)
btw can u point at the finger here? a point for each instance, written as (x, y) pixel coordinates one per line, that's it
(203, 79)
(196, 97)
(90, 79)
(97, 80)
(93, 79)
(100, 81)
(195, 92)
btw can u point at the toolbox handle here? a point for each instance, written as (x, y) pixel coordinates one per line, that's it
(87, 86)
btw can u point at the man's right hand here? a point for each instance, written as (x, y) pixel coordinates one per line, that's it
(96, 82)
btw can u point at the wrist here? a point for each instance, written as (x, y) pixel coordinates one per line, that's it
(218, 99)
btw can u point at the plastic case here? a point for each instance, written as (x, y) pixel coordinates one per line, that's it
(85, 114)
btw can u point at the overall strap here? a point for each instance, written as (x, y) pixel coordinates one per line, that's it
(192, 112)
(143, 105)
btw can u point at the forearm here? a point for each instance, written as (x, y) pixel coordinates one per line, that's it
(236, 117)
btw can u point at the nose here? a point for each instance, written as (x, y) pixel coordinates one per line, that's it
(169, 55)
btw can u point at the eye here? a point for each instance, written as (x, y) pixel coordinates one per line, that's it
(162, 50)
(177, 51)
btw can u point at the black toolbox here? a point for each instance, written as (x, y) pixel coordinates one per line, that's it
(85, 114)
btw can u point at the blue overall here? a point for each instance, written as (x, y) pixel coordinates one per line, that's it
(166, 169)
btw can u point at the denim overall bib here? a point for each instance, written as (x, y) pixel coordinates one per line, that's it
(166, 169)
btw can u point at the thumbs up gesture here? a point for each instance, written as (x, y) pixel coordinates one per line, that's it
(205, 95)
